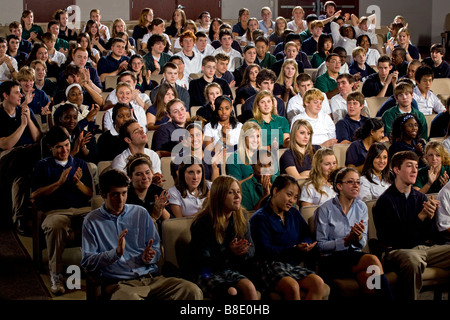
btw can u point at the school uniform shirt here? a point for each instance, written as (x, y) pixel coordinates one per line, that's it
(277, 123)
(288, 160)
(216, 133)
(235, 167)
(164, 138)
(323, 127)
(309, 46)
(346, 128)
(323, 69)
(5, 74)
(311, 195)
(356, 153)
(263, 27)
(340, 41)
(149, 61)
(372, 86)
(370, 33)
(191, 64)
(197, 90)
(189, 205)
(390, 115)
(295, 106)
(247, 108)
(354, 68)
(9, 124)
(233, 54)
(339, 108)
(252, 192)
(372, 190)
(372, 56)
(422, 178)
(108, 64)
(439, 125)
(429, 104)
(325, 83)
(120, 161)
(291, 25)
(441, 71)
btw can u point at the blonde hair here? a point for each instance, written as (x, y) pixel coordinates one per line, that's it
(213, 208)
(26, 73)
(298, 156)
(440, 149)
(257, 115)
(312, 94)
(248, 128)
(316, 177)
(281, 78)
(357, 51)
(123, 84)
(113, 31)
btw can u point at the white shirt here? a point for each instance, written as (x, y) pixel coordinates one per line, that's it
(120, 161)
(323, 127)
(291, 25)
(372, 57)
(216, 133)
(189, 205)
(209, 50)
(193, 65)
(58, 57)
(233, 54)
(429, 104)
(372, 191)
(141, 117)
(339, 108)
(370, 33)
(443, 211)
(295, 106)
(446, 144)
(311, 195)
(5, 74)
(340, 41)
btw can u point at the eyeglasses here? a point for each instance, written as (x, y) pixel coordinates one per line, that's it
(352, 182)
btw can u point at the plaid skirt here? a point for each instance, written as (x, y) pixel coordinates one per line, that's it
(216, 285)
(271, 272)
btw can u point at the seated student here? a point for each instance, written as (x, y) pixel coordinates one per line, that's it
(13, 49)
(263, 57)
(440, 122)
(249, 36)
(403, 94)
(205, 21)
(391, 102)
(182, 80)
(256, 189)
(247, 87)
(437, 62)
(265, 80)
(212, 91)
(399, 62)
(280, 53)
(407, 226)
(341, 233)
(290, 52)
(41, 81)
(305, 34)
(248, 58)
(124, 93)
(338, 103)
(295, 104)
(375, 175)
(156, 26)
(359, 67)
(323, 127)
(280, 26)
(197, 86)
(222, 69)
(275, 128)
(298, 22)
(224, 128)
(413, 65)
(60, 44)
(327, 81)
(309, 46)
(353, 120)
(405, 135)
(9, 65)
(40, 103)
(282, 241)
(170, 75)
(238, 164)
(109, 143)
(403, 41)
(324, 48)
(65, 33)
(365, 26)
(115, 62)
(372, 55)
(106, 251)
(83, 144)
(143, 192)
(296, 160)
(427, 101)
(201, 44)
(317, 189)
(342, 56)
(343, 36)
(143, 76)
(433, 177)
(136, 139)
(191, 188)
(285, 87)
(381, 84)
(103, 30)
(16, 29)
(92, 28)
(266, 24)
(156, 58)
(156, 113)
(226, 39)
(216, 42)
(242, 24)
(164, 139)
(372, 131)
(221, 247)
(61, 187)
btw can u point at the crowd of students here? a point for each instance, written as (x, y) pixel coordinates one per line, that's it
(252, 103)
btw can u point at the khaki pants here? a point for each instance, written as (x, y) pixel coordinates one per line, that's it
(57, 229)
(411, 263)
(157, 288)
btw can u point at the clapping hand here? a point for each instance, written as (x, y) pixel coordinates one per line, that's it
(149, 253)
(239, 247)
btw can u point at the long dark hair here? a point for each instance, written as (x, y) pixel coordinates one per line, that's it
(320, 44)
(374, 151)
(180, 182)
(371, 124)
(215, 114)
(281, 182)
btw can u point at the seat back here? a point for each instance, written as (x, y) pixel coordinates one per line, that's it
(110, 82)
(102, 165)
(340, 152)
(308, 214)
(165, 169)
(429, 118)
(441, 86)
(374, 104)
(193, 110)
(176, 236)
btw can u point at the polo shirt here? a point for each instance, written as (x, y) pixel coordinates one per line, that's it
(108, 64)
(205, 111)
(193, 65)
(353, 68)
(391, 102)
(356, 153)
(150, 63)
(237, 28)
(325, 83)
(48, 171)
(25, 46)
(61, 43)
(288, 160)
(120, 161)
(152, 110)
(295, 106)
(263, 27)
(247, 108)
(422, 179)
(390, 115)
(40, 100)
(235, 45)
(346, 128)
(236, 168)
(149, 201)
(8, 125)
(233, 54)
(162, 138)
(277, 123)
(439, 125)
(305, 35)
(323, 127)
(372, 86)
(252, 192)
(276, 67)
(189, 205)
(268, 60)
(309, 46)
(197, 90)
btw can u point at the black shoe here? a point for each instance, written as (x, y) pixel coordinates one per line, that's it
(23, 228)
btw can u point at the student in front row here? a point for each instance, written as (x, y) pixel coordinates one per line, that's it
(119, 235)
(406, 224)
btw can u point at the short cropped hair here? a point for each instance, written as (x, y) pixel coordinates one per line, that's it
(356, 96)
(401, 156)
(112, 178)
